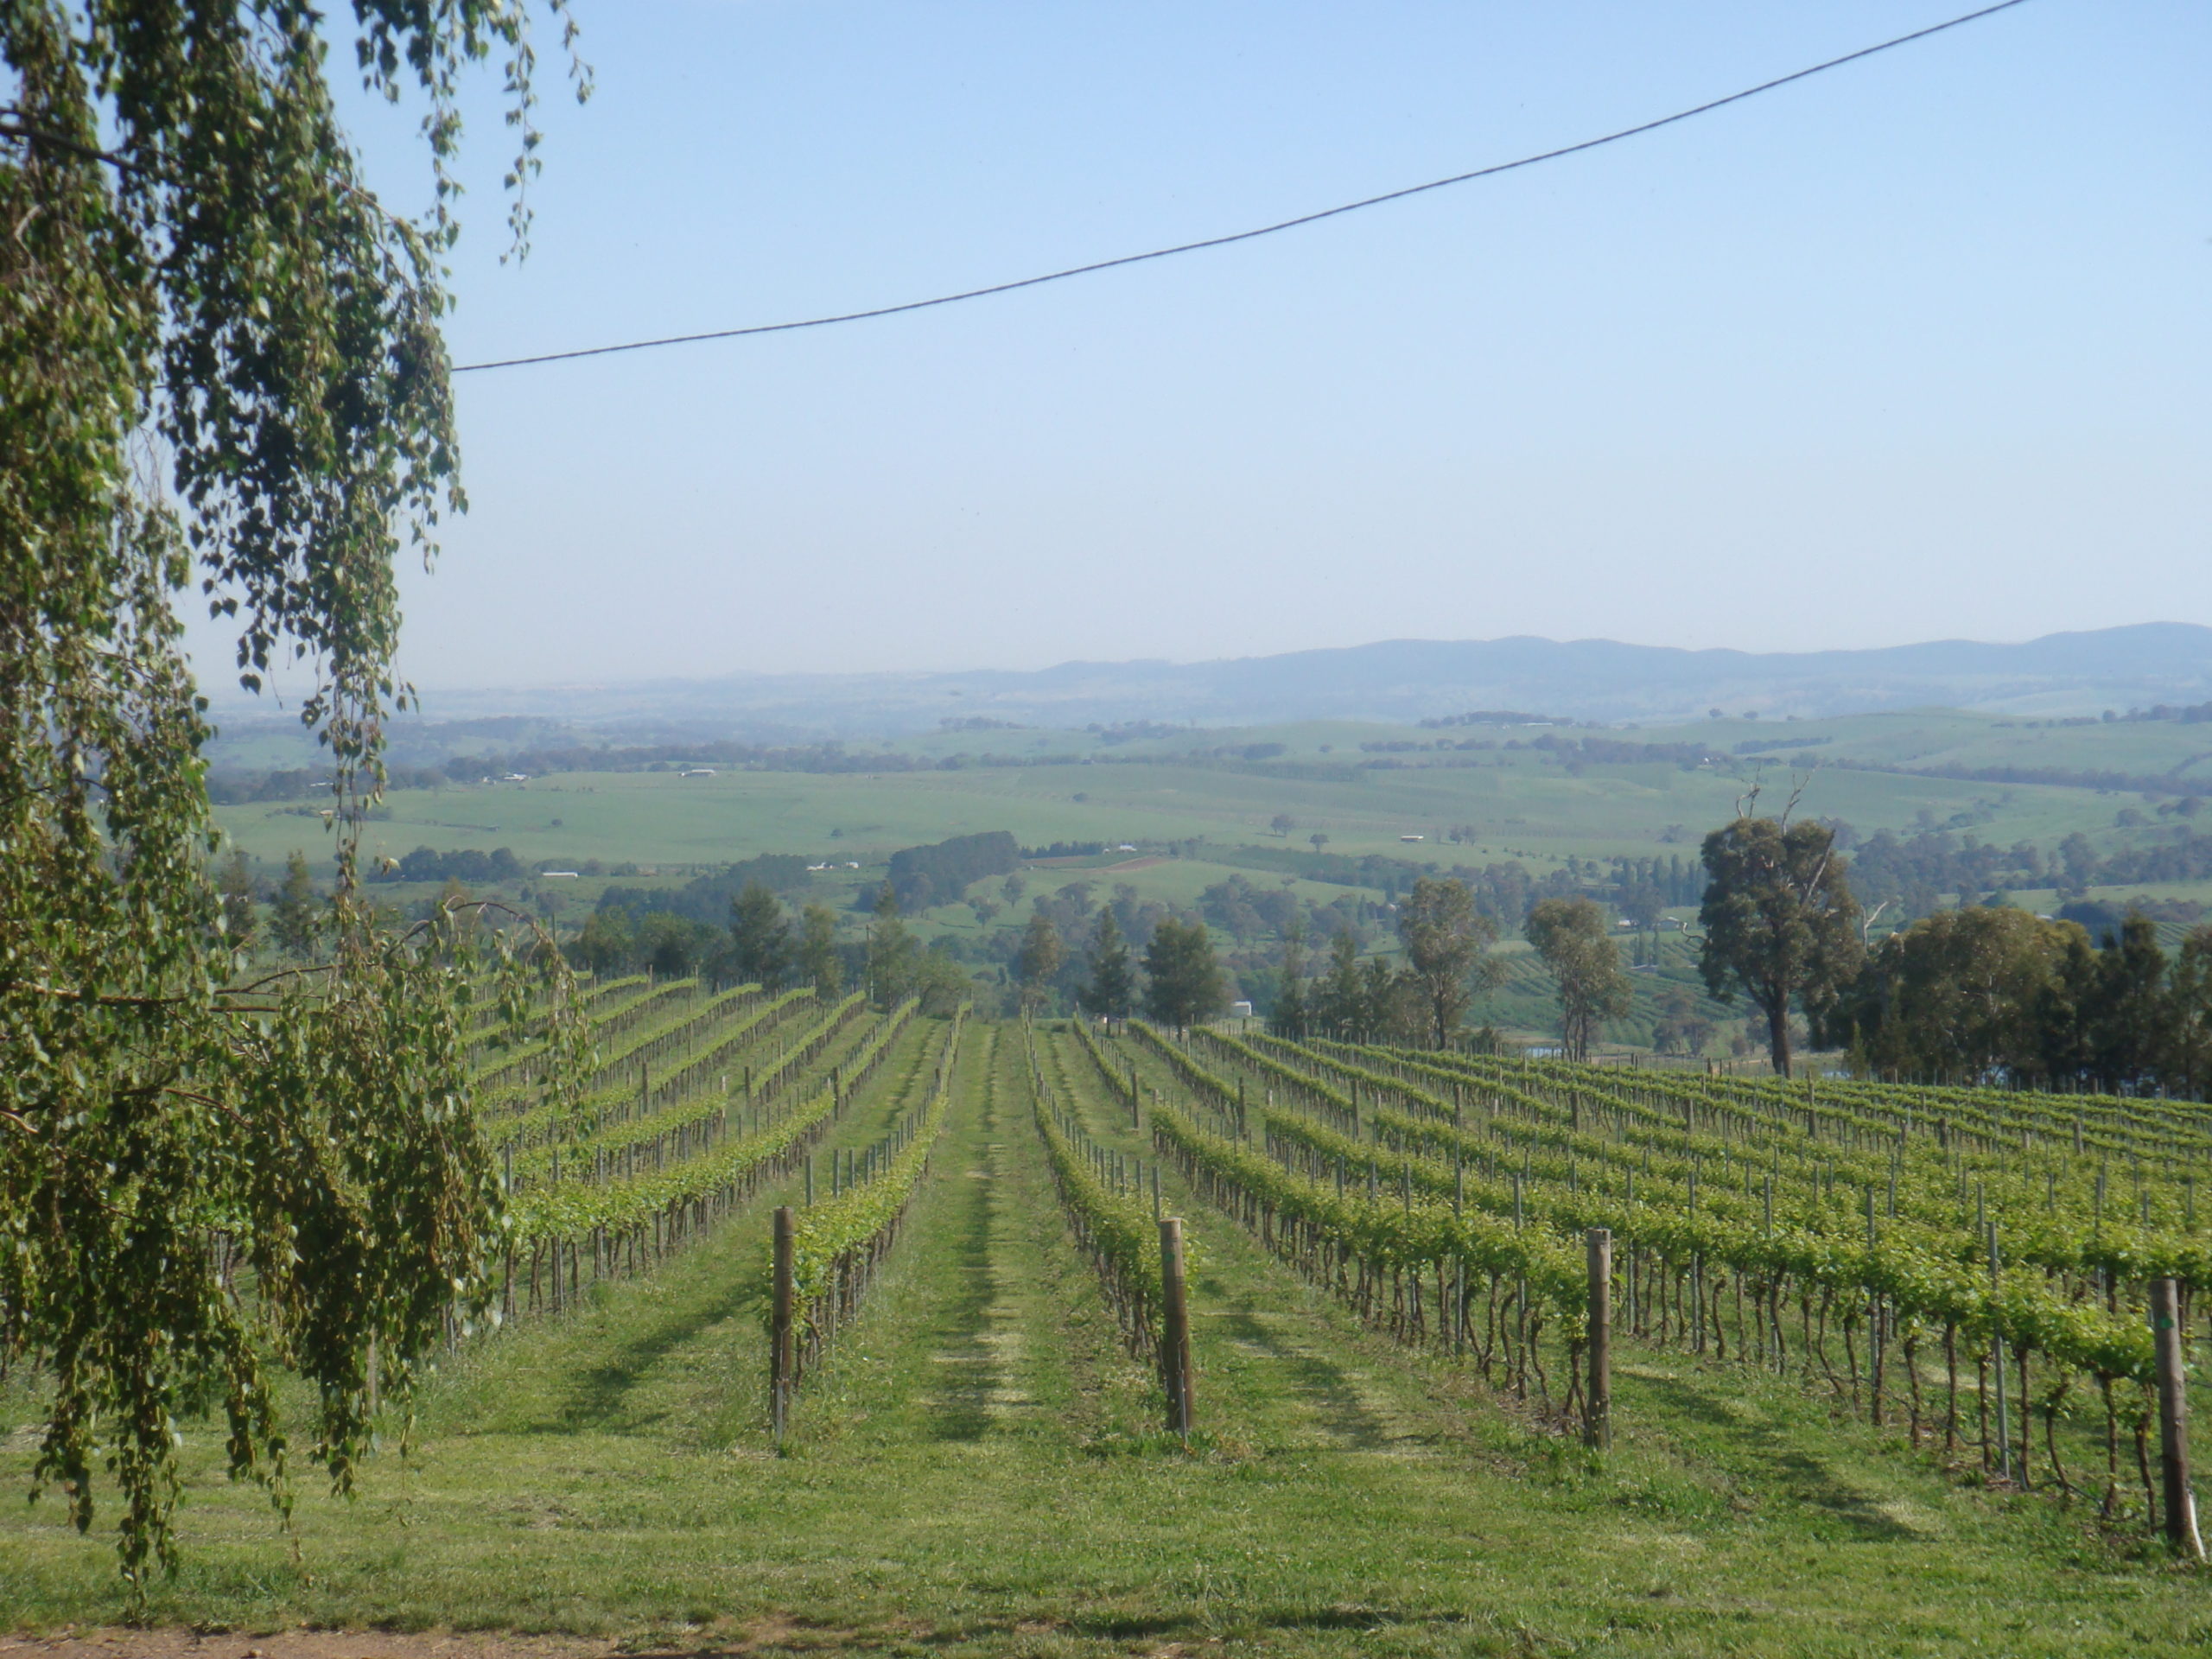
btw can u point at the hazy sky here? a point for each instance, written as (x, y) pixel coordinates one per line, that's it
(1916, 349)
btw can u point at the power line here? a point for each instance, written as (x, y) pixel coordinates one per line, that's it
(1263, 230)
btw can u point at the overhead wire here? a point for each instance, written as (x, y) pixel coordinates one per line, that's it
(1280, 225)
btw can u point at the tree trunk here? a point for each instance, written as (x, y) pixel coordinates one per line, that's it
(1777, 1036)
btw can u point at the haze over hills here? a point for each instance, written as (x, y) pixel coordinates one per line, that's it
(1398, 680)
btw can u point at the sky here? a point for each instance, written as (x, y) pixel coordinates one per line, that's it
(1919, 348)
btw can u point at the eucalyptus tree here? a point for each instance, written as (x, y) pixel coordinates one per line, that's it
(1036, 961)
(220, 368)
(1780, 923)
(1575, 943)
(1448, 943)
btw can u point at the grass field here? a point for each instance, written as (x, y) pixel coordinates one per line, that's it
(978, 1469)
(1177, 793)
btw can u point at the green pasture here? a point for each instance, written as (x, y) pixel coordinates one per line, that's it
(1216, 813)
(1515, 805)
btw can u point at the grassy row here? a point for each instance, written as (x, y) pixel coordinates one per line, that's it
(1114, 1226)
(838, 1244)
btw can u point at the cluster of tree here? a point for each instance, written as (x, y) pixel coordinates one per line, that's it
(2187, 857)
(1242, 909)
(1421, 1000)
(1620, 751)
(1131, 731)
(1899, 877)
(1906, 876)
(762, 941)
(1067, 849)
(893, 966)
(1671, 880)
(940, 873)
(287, 784)
(2153, 784)
(465, 864)
(1992, 993)
(290, 917)
(706, 898)
(828, 757)
(1183, 983)
(749, 940)
(2189, 713)
(1573, 752)
(1497, 717)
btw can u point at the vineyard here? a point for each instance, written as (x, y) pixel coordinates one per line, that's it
(816, 1321)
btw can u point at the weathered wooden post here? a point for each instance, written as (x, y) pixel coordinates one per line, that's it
(2173, 1420)
(779, 1336)
(1598, 1407)
(1175, 1332)
(1997, 1366)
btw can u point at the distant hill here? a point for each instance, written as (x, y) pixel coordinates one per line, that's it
(1409, 680)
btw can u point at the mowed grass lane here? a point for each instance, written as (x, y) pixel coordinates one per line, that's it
(978, 1469)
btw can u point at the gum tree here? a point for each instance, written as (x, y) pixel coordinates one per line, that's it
(1447, 943)
(220, 368)
(1780, 923)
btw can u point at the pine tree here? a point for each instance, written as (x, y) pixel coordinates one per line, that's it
(1288, 1018)
(1111, 990)
(295, 919)
(1186, 985)
(240, 915)
(818, 961)
(760, 937)
(1339, 1006)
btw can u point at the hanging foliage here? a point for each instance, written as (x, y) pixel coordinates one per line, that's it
(220, 366)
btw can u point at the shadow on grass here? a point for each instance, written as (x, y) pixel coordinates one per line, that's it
(1776, 1462)
(595, 1400)
(1194, 1623)
(1318, 1385)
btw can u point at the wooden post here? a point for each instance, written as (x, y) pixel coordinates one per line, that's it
(779, 1340)
(2173, 1420)
(1996, 1365)
(1175, 1328)
(1598, 1407)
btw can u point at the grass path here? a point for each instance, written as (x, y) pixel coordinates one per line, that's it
(977, 1470)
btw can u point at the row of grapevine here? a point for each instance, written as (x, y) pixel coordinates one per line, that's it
(2054, 1215)
(629, 1213)
(1905, 1245)
(603, 1111)
(1114, 1222)
(1427, 1271)
(838, 1245)
(659, 1004)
